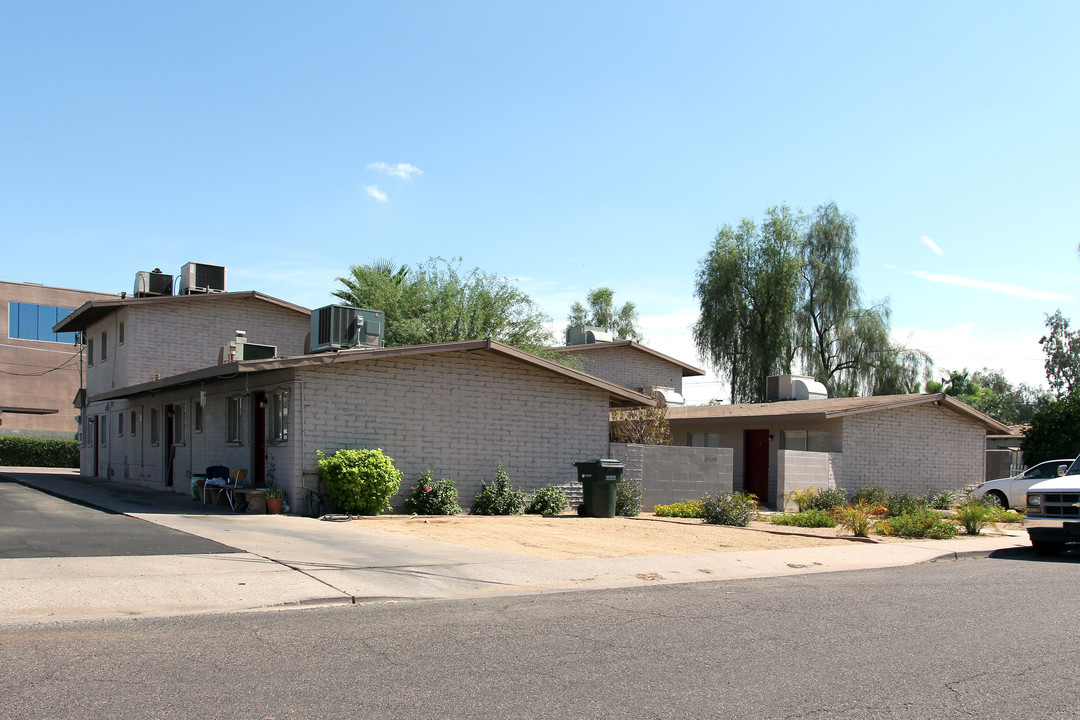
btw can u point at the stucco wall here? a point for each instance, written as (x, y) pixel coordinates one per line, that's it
(458, 414)
(917, 450)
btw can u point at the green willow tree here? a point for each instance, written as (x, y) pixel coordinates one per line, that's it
(437, 303)
(789, 293)
(622, 321)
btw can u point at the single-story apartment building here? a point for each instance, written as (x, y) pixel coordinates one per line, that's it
(915, 443)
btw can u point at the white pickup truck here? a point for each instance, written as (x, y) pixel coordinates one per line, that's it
(1053, 512)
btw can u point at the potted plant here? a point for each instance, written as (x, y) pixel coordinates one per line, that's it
(275, 499)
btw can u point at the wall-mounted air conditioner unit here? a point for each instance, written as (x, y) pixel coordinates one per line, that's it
(152, 283)
(587, 335)
(338, 327)
(201, 278)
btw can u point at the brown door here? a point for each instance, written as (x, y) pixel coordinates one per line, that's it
(756, 463)
(258, 438)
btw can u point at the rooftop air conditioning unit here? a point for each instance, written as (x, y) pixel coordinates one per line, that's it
(586, 335)
(240, 349)
(152, 283)
(201, 278)
(338, 327)
(794, 387)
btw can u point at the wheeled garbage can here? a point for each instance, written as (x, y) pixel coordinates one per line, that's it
(598, 479)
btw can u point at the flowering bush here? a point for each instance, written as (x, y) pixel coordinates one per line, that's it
(688, 509)
(548, 500)
(433, 497)
(921, 524)
(736, 509)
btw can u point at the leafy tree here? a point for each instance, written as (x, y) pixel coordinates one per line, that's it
(1062, 349)
(621, 322)
(788, 292)
(748, 286)
(989, 392)
(437, 303)
(1054, 431)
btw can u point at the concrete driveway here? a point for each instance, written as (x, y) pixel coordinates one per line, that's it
(285, 561)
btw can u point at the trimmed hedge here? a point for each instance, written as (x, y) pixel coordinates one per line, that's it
(18, 451)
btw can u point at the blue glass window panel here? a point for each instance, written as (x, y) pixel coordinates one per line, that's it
(46, 320)
(28, 321)
(13, 319)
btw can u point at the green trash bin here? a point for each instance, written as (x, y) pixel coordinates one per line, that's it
(598, 479)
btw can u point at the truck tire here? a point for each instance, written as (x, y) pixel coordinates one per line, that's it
(1047, 548)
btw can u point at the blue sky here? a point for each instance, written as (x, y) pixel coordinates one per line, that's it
(565, 145)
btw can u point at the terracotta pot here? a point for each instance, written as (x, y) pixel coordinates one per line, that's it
(274, 505)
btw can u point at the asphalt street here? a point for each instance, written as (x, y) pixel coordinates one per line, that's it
(981, 638)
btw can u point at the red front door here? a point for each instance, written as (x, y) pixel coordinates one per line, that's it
(756, 463)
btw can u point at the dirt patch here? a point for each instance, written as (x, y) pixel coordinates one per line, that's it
(570, 536)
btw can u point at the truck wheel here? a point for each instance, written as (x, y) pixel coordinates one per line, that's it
(1046, 548)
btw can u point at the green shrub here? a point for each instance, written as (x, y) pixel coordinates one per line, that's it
(806, 519)
(359, 482)
(433, 497)
(628, 498)
(688, 509)
(899, 503)
(548, 500)
(976, 513)
(736, 509)
(802, 497)
(826, 500)
(920, 524)
(38, 452)
(499, 498)
(943, 500)
(870, 495)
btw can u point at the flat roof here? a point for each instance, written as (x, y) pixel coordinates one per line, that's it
(619, 395)
(688, 370)
(91, 311)
(830, 408)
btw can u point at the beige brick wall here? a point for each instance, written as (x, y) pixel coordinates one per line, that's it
(631, 368)
(457, 414)
(172, 338)
(917, 450)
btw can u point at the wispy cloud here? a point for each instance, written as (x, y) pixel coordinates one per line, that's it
(929, 242)
(373, 191)
(1003, 288)
(405, 171)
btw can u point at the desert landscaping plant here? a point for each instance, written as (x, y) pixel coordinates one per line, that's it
(901, 503)
(736, 509)
(869, 495)
(920, 524)
(977, 513)
(433, 497)
(548, 500)
(827, 500)
(857, 518)
(499, 497)
(806, 519)
(802, 497)
(359, 482)
(688, 509)
(629, 496)
(943, 500)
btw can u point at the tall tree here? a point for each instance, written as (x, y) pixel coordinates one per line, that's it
(748, 285)
(1062, 349)
(813, 314)
(437, 303)
(990, 392)
(622, 321)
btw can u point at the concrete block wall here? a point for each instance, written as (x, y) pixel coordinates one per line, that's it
(458, 414)
(171, 338)
(631, 368)
(797, 469)
(916, 449)
(670, 473)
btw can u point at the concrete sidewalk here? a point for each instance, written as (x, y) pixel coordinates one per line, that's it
(288, 561)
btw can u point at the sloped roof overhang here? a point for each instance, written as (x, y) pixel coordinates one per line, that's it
(687, 370)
